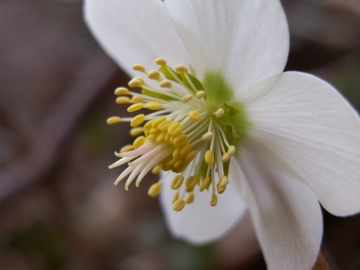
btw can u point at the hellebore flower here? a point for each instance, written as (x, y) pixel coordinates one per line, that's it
(227, 126)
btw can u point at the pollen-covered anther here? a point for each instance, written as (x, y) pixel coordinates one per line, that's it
(177, 182)
(191, 182)
(154, 106)
(123, 100)
(154, 190)
(205, 183)
(137, 120)
(220, 112)
(136, 131)
(135, 107)
(126, 148)
(139, 67)
(114, 120)
(225, 157)
(180, 68)
(160, 61)
(139, 141)
(207, 136)
(179, 205)
(176, 197)
(137, 99)
(221, 186)
(165, 84)
(190, 198)
(200, 94)
(187, 98)
(231, 150)
(154, 75)
(213, 200)
(135, 83)
(121, 91)
(156, 169)
(209, 158)
(195, 116)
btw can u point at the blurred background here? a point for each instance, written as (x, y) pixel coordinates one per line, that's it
(59, 208)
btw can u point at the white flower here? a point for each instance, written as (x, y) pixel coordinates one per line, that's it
(299, 139)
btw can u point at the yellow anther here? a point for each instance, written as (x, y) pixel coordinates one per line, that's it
(209, 158)
(123, 100)
(136, 131)
(185, 150)
(180, 68)
(139, 79)
(135, 83)
(189, 189)
(178, 164)
(190, 156)
(172, 127)
(156, 169)
(139, 67)
(165, 84)
(191, 181)
(231, 150)
(187, 98)
(156, 122)
(154, 190)
(225, 157)
(177, 182)
(190, 198)
(177, 131)
(113, 120)
(137, 99)
(121, 91)
(160, 137)
(139, 141)
(195, 116)
(160, 61)
(135, 107)
(137, 120)
(127, 148)
(176, 197)
(154, 74)
(207, 136)
(154, 106)
(223, 181)
(221, 189)
(200, 94)
(179, 139)
(213, 201)
(179, 205)
(205, 183)
(220, 112)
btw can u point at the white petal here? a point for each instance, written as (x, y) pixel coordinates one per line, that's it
(285, 213)
(136, 31)
(198, 222)
(314, 131)
(247, 41)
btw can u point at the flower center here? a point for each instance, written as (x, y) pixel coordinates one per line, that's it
(191, 130)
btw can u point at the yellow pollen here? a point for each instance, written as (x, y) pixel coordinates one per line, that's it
(160, 61)
(176, 197)
(136, 131)
(113, 120)
(123, 100)
(121, 91)
(223, 181)
(209, 158)
(213, 201)
(180, 68)
(205, 183)
(200, 94)
(154, 190)
(156, 169)
(135, 107)
(220, 112)
(139, 67)
(187, 98)
(189, 189)
(207, 136)
(137, 99)
(154, 106)
(179, 205)
(137, 120)
(139, 79)
(177, 182)
(195, 116)
(231, 150)
(190, 198)
(127, 148)
(225, 157)
(165, 84)
(154, 74)
(221, 189)
(191, 181)
(139, 142)
(135, 83)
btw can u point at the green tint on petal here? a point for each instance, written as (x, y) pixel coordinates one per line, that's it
(231, 110)
(217, 89)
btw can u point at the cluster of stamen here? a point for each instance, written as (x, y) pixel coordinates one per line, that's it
(181, 134)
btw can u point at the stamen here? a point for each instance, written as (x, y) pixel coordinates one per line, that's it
(231, 150)
(139, 142)
(135, 83)
(213, 201)
(113, 120)
(136, 131)
(179, 205)
(195, 116)
(180, 68)
(137, 99)
(207, 136)
(190, 198)
(127, 148)
(137, 120)
(200, 94)
(123, 100)
(177, 182)
(139, 67)
(135, 107)
(156, 169)
(160, 61)
(154, 190)
(220, 112)
(121, 91)
(187, 98)
(165, 84)
(209, 158)
(154, 106)
(154, 74)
